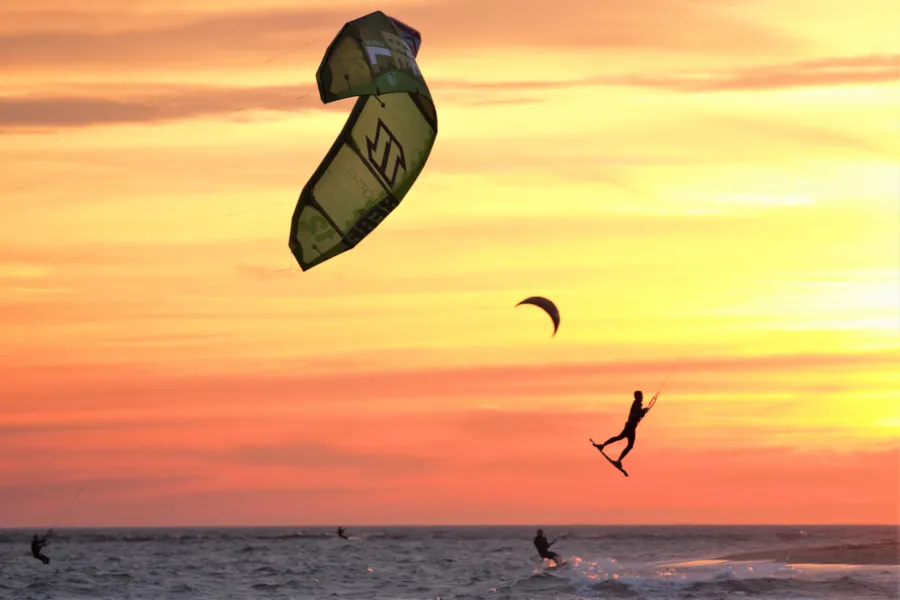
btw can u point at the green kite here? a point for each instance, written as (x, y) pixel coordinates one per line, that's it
(383, 147)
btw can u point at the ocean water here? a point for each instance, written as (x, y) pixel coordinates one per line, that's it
(401, 563)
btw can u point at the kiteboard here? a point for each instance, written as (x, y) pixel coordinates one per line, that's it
(552, 564)
(611, 461)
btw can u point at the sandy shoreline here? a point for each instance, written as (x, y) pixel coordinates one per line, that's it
(887, 553)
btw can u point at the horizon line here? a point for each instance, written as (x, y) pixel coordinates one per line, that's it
(438, 526)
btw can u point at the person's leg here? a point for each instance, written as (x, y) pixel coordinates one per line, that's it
(613, 440)
(630, 436)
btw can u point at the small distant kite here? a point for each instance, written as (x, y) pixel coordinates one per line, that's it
(547, 306)
(383, 147)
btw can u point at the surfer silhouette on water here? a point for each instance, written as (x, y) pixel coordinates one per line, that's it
(37, 544)
(637, 413)
(543, 547)
(340, 533)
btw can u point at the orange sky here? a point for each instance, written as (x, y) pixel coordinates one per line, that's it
(717, 174)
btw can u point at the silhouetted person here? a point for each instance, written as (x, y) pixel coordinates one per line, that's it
(341, 533)
(628, 432)
(543, 546)
(37, 544)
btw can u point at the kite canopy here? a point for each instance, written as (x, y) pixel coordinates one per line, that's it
(547, 306)
(384, 144)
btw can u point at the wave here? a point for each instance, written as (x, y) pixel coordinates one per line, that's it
(388, 536)
(702, 579)
(296, 536)
(880, 553)
(789, 536)
(846, 584)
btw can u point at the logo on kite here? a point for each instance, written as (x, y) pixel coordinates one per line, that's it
(547, 306)
(389, 143)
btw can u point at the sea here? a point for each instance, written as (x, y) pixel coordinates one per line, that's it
(447, 563)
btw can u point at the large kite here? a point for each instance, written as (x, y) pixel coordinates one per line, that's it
(382, 148)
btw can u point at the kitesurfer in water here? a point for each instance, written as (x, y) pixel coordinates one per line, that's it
(543, 546)
(340, 533)
(37, 544)
(637, 413)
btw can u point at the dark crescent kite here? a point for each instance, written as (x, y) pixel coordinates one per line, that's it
(547, 306)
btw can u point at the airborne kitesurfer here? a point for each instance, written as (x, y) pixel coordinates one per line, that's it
(637, 413)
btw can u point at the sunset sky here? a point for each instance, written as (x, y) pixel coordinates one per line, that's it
(711, 181)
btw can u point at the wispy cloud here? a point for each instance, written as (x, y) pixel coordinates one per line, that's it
(133, 103)
(495, 381)
(148, 106)
(837, 71)
(24, 489)
(144, 40)
(183, 38)
(819, 73)
(300, 455)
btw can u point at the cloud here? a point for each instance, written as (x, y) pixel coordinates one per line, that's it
(460, 464)
(148, 105)
(826, 135)
(141, 40)
(304, 386)
(830, 72)
(511, 424)
(134, 103)
(172, 39)
(260, 272)
(649, 24)
(30, 489)
(835, 71)
(96, 427)
(322, 456)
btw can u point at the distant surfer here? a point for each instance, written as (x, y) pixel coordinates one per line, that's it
(341, 533)
(37, 544)
(637, 413)
(543, 547)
